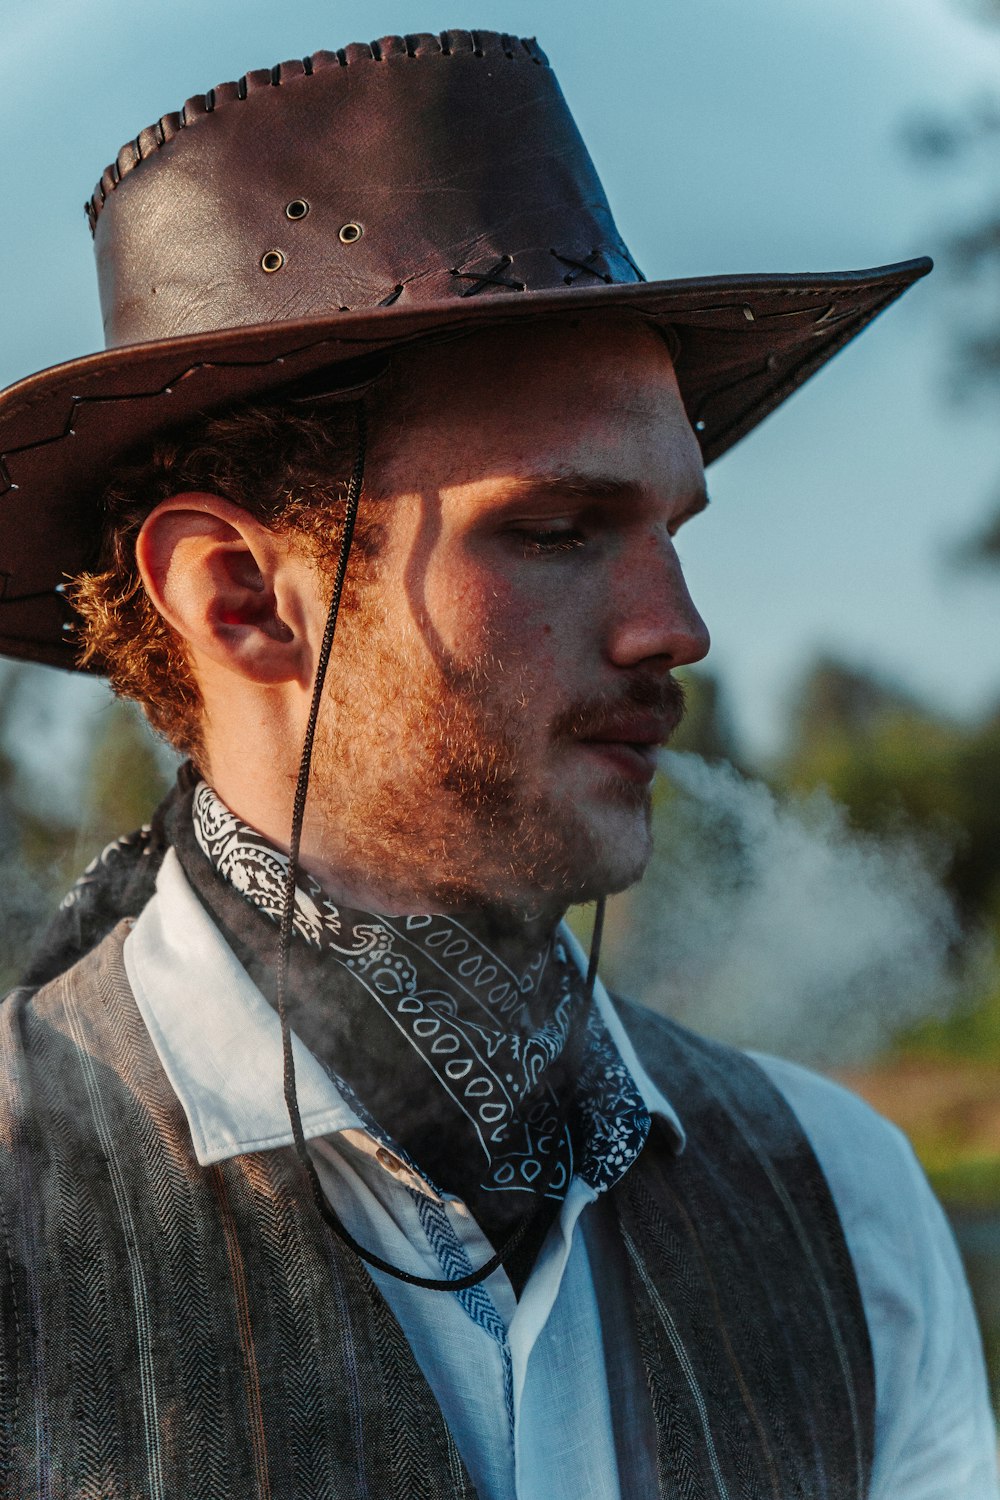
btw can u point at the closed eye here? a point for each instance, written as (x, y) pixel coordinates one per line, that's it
(536, 543)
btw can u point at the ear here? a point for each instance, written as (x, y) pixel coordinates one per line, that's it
(236, 593)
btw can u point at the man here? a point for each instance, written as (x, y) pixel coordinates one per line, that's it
(371, 503)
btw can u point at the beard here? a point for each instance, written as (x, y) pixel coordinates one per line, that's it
(423, 783)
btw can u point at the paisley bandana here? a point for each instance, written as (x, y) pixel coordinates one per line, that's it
(493, 1082)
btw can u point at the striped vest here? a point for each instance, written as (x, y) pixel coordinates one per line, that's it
(174, 1332)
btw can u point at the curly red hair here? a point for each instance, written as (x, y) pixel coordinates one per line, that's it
(287, 464)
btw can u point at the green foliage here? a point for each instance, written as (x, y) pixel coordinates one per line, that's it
(893, 763)
(707, 728)
(968, 138)
(124, 779)
(972, 1030)
(120, 777)
(965, 1181)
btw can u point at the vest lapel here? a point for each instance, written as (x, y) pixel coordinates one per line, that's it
(746, 1304)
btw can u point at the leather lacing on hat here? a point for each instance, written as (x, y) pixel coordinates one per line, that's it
(484, 44)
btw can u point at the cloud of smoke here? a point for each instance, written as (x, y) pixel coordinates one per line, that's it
(773, 924)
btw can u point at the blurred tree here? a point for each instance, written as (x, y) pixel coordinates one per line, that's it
(120, 775)
(124, 777)
(976, 771)
(970, 141)
(893, 763)
(838, 702)
(707, 728)
(25, 841)
(983, 547)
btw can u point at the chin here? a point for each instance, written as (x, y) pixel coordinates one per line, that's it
(614, 876)
(618, 848)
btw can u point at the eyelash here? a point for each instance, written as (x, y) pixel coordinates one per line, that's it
(543, 543)
(546, 543)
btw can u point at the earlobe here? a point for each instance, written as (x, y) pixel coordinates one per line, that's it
(216, 576)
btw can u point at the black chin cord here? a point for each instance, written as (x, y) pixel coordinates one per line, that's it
(323, 1204)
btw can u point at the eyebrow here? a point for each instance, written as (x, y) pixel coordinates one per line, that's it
(584, 486)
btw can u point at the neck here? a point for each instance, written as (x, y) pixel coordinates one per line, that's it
(516, 932)
(440, 866)
(518, 937)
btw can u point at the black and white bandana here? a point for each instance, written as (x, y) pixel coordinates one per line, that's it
(527, 1086)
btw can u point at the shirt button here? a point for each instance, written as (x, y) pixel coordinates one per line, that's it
(386, 1159)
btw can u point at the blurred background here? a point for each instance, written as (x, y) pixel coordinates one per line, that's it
(827, 876)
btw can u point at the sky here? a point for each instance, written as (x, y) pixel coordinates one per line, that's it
(730, 138)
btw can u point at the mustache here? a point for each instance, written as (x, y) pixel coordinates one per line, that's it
(660, 697)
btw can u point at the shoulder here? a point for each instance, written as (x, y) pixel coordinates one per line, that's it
(935, 1428)
(81, 976)
(701, 1077)
(40, 1025)
(884, 1202)
(935, 1435)
(865, 1159)
(857, 1148)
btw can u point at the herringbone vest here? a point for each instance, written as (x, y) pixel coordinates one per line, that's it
(174, 1332)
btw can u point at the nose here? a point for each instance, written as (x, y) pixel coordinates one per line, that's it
(652, 617)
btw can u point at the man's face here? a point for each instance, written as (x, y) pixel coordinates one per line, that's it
(496, 699)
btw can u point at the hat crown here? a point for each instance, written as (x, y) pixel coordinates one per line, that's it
(408, 170)
(338, 207)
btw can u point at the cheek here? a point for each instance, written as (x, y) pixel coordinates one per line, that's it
(519, 629)
(477, 612)
(472, 610)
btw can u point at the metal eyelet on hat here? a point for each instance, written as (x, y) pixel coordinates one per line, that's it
(273, 260)
(297, 209)
(349, 233)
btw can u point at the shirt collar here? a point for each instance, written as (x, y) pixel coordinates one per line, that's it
(219, 1040)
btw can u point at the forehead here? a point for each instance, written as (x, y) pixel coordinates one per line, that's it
(597, 393)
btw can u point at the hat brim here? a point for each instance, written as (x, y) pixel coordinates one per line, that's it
(746, 343)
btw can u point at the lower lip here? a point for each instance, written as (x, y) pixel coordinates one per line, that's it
(634, 762)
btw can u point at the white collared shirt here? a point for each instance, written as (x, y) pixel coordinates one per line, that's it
(522, 1384)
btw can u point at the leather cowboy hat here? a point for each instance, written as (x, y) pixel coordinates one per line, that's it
(327, 208)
